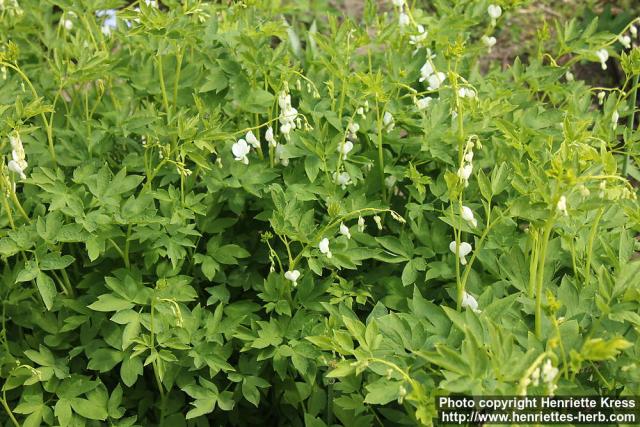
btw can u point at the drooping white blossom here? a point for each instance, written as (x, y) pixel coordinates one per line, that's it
(110, 22)
(464, 173)
(549, 372)
(378, 221)
(562, 206)
(345, 148)
(601, 95)
(467, 215)
(615, 116)
(293, 276)
(417, 39)
(426, 70)
(268, 136)
(625, 41)
(324, 247)
(342, 179)
(403, 19)
(252, 140)
(603, 56)
(435, 80)
(18, 162)
(489, 42)
(279, 155)
(469, 301)
(388, 121)
(344, 230)
(633, 30)
(494, 11)
(361, 225)
(464, 250)
(240, 150)
(423, 103)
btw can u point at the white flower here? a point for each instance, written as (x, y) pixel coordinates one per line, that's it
(549, 372)
(468, 301)
(15, 167)
(353, 127)
(398, 3)
(403, 19)
(494, 11)
(633, 30)
(324, 247)
(292, 276)
(252, 140)
(285, 129)
(345, 148)
(344, 230)
(422, 35)
(388, 121)
(614, 119)
(279, 155)
(110, 22)
(18, 164)
(465, 92)
(465, 172)
(467, 215)
(426, 70)
(489, 42)
(240, 149)
(603, 55)
(378, 221)
(269, 137)
(601, 97)
(435, 80)
(625, 41)
(284, 101)
(468, 157)
(360, 111)
(342, 179)
(465, 249)
(423, 103)
(569, 76)
(562, 205)
(361, 224)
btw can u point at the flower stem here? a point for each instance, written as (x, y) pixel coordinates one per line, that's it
(540, 275)
(632, 101)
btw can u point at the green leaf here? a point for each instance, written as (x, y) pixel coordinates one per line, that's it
(47, 289)
(382, 392)
(110, 302)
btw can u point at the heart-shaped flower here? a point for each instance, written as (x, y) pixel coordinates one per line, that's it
(344, 230)
(468, 301)
(240, 149)
(293, 276)
(324, 247)
(345, 148)
(467, 215)
(252, 140)
(494, 11)
(464, 250)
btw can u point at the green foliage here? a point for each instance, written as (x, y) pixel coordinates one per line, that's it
(239, 214)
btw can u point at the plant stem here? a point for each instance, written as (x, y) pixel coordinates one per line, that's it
(163, 88)
(592, 236)
(540, 274)
(6, 407)
(633, 100)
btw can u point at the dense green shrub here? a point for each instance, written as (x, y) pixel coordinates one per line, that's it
(212, 215)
